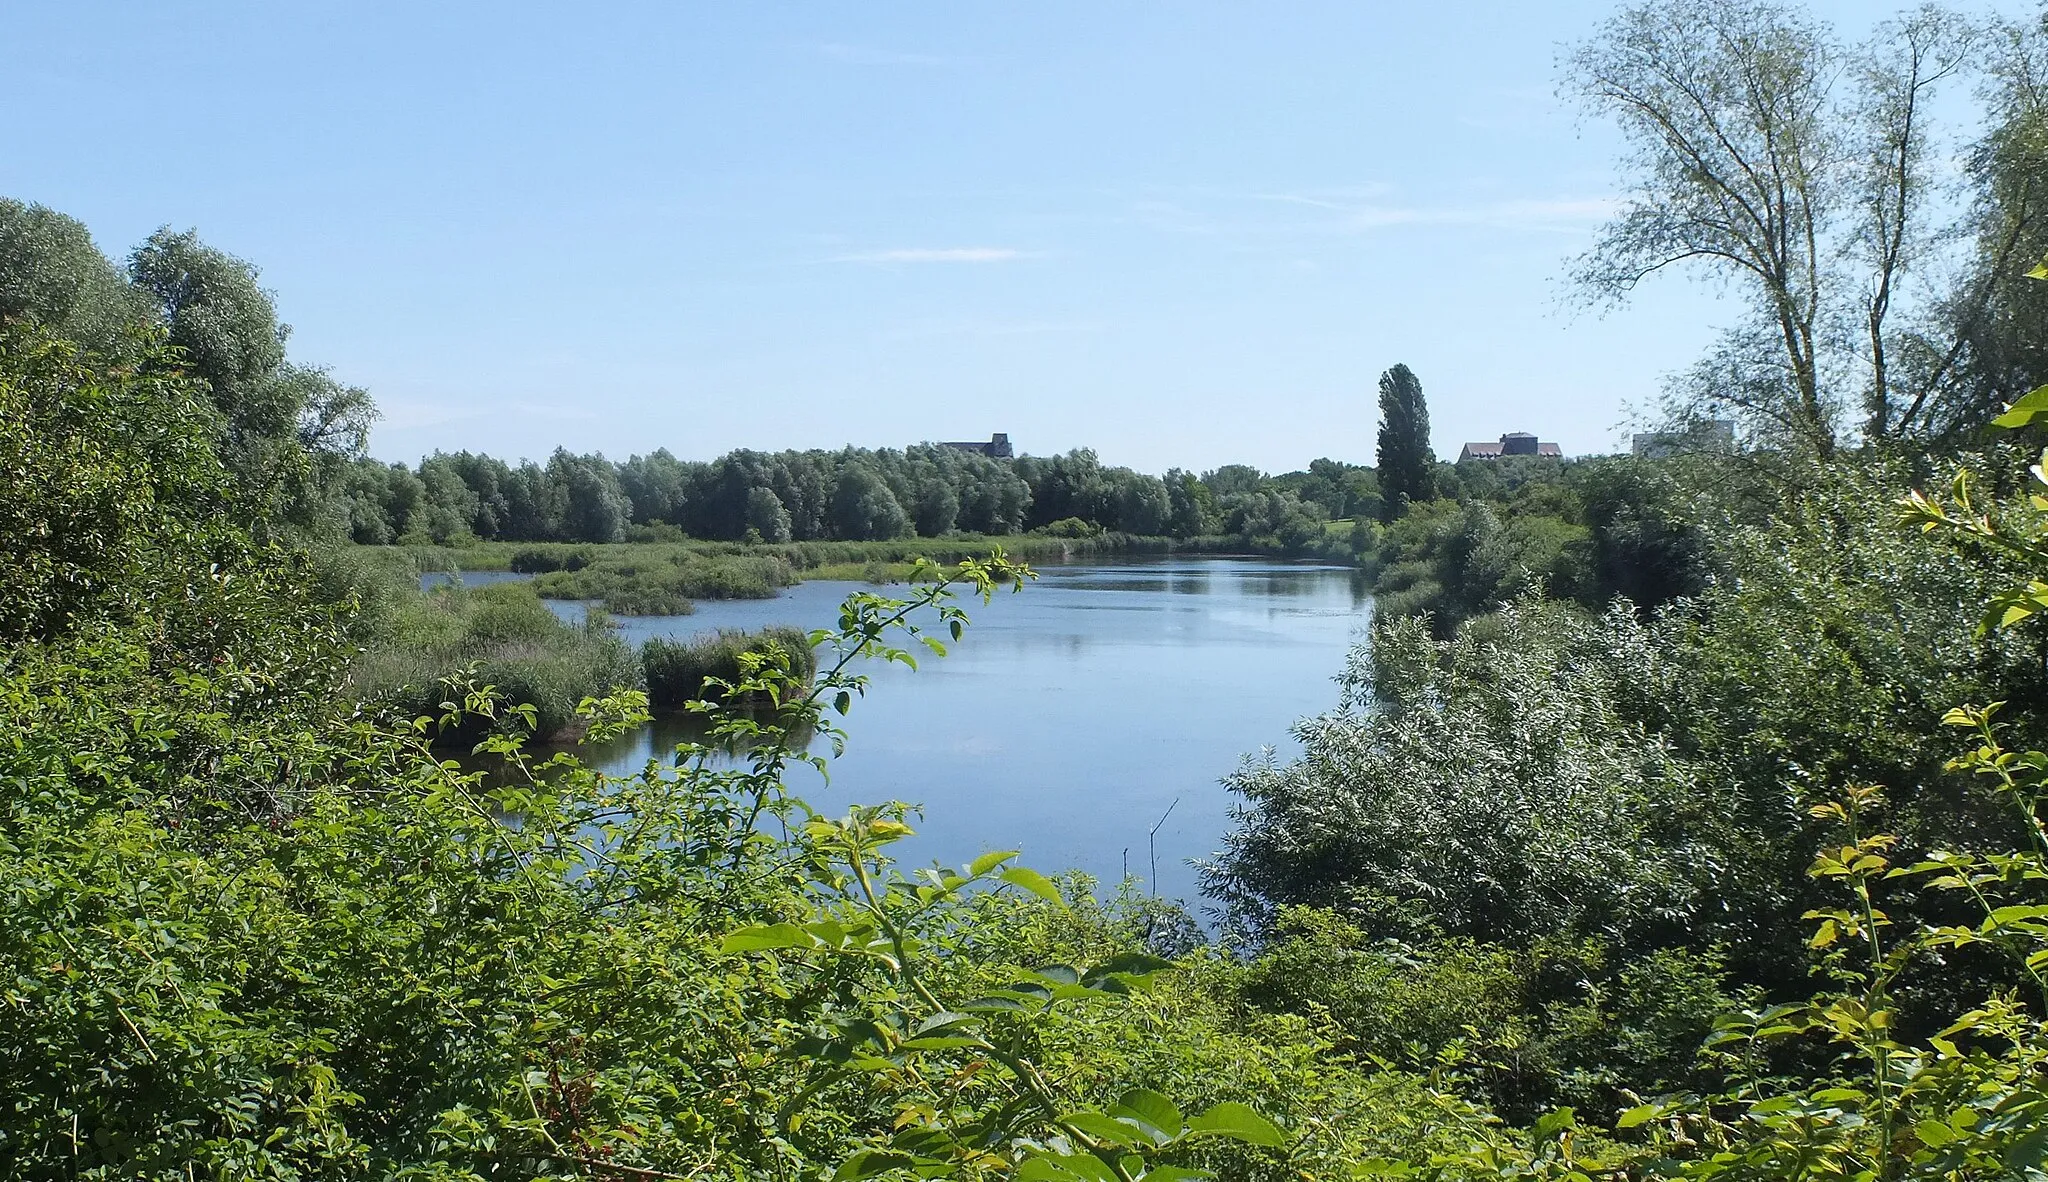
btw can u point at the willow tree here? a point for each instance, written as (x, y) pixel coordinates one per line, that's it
(1800, 172)
(1407, 466)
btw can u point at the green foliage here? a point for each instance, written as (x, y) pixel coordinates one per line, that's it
(110, 479)
(677, 671)
(500, 635)
(284, 427)
(1557, 1022)
(53, 274)
(1499, 786)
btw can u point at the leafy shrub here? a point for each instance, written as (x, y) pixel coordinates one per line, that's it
(1562, 1021)
(1498, 788)
(1068, 527)
(533, 560)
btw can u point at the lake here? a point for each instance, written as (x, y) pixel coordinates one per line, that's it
(1072, 715)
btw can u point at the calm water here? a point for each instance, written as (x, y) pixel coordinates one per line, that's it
(1072, 715)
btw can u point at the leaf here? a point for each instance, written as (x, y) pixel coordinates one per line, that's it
(1104, 1127)
(1554, 1123)
(843, 702)
(1128, 964)
(1238, 1121)
(1152, 1110)
(762, 937)
(989, 861)
(944, 1020)
(941, 1044)
(1044, 1169)
(2028, 407)
(1934, 1133)
(869, 1162)
(995, 1005)
(1637, 1115)
(1171, 1174)
(1048, 1167)
(1038, 884)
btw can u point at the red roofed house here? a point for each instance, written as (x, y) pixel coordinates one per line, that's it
(1514, 443)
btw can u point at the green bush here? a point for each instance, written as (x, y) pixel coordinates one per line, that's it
(533, 560)
(677, 669)
(501, 635)
(665, 588)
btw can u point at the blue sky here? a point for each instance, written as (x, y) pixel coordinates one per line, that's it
(1180, 233)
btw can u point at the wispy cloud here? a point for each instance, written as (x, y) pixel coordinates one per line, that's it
(861, 55)
(927, 254)
(1560, 215)
(922, 329)
(1363, 210)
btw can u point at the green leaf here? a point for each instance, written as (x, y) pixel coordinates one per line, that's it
(1171, 1174)
(1638, 1115)
(762, 937)
(1151, 1109)
(1553, 1123)
(947, 1043)
(1933, 1133)
(1058, 974)
(843, 702)
(1044, 1169)
(1106, 1128)
(989, 861)
(1239, 1121)
(1038, 884)
(869, 1162)
(2028, 407)
(995, 1005)
(944, 1020)
(1128, 964)
(1048, 1167)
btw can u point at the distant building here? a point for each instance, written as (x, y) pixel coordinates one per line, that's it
(997, 447)
(1709, 435)
(1514, 443)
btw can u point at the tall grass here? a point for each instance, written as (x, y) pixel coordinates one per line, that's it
(677, 669)
(511, 640)
(666, 587)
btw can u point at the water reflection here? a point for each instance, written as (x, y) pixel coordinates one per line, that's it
(657, 742)
(1070, 716)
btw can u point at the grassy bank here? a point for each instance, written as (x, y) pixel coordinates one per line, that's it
(665, 585)
(850, 560)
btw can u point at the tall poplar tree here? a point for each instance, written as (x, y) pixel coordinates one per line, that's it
(1407, 467)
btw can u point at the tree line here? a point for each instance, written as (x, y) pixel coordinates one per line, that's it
(855, 494)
